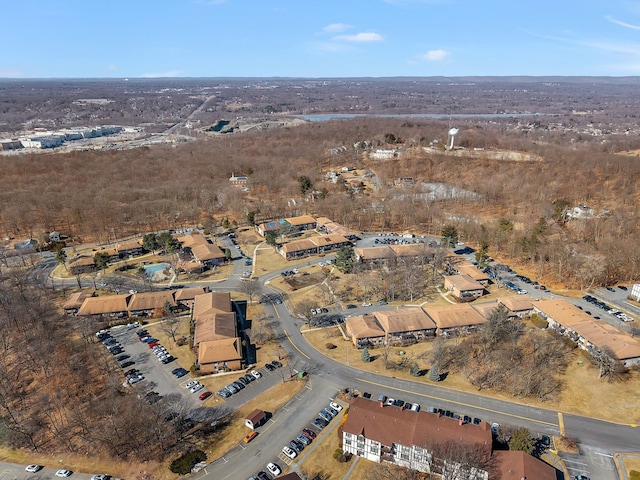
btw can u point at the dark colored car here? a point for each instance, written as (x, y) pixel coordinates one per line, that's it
(263, 476)
(366, 395)
(168, 359)
(351, 305)
(296, 445)
(179, 372)
(269, 367)
(309, 433)
(224, 393)
(276, 364)
(399, 403)
(320, 423)
(476, 421)
(121, 358)
(249, 378)
(244, 381)
(127, 364)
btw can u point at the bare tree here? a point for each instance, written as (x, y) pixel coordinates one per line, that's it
(251, 287)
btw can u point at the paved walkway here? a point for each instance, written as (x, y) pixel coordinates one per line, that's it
(556, 462)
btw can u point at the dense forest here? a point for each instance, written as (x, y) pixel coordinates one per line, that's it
(516, 207)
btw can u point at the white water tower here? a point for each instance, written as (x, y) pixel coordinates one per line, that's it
(452, 136)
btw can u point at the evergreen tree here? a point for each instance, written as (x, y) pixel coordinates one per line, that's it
(366, 357)
(415, 370)
(521, 440)
(434, 373)
(450, 235)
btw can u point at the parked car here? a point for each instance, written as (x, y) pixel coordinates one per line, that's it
(276, 364)
(256, 374)
(33, 468)
(274, 469)
(269, 367)
(303, 439)
(179, 372)
(224, 393)
(127, 364)
(351, 305)
(309, 433)
(250, 436)
(196, 388)
(336, 406)
(64, 473)
(120, 358)
(495, 428)
(415, 407)
(296, 445)
(289, 452)
(320, 423)
(205, 395)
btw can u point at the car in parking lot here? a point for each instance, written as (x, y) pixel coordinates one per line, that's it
(289, 452)
(366, 395)
(262, 475)
(238, 385)
(179, 372)
(331, 410)
(205, 395)
(310, 434)
(297, 445)
(244, 381)
(415, 407)
(224, 393)
(303, 439)
(167, 359)
(33, 468)
(120, 358)
(127, 364)
(256, 374)
(196, 388)
(335, 406)
(495, 428)
(269, 367)
(64, 473)
(622, 287)
(231, 388)
(325, 416)
(250, 436)
(351, 306)
(276, 364)
(274, 469)
(320, 423)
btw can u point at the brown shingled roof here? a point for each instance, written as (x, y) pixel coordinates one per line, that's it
(390, 424)
(223, 350)
(151, 300)
(516, 465)
(106, 304)
(404, 320)
(450, 316)
(364, 326)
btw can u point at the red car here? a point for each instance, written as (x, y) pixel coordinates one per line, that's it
(310, 434)
(205, 395)
(153, 344)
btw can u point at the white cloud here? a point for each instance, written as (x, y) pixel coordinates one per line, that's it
(622, 24)
(336, 27)
(362, 37)
(434, 55)
(170, 73)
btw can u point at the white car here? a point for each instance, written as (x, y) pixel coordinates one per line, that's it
(33, 468)
(256, 374)
(274, 469)
(99, 476)
(289, 452)
(64, 473)
(335, 406)
(366, 304)
(191, 384)
(495, 427)
(195, 388)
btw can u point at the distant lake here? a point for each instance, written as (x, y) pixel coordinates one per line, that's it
(324, 117)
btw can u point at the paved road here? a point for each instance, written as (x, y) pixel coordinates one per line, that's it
(599, 436)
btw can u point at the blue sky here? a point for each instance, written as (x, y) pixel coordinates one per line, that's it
(318, 38)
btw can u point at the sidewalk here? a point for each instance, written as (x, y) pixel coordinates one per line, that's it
(556, 462)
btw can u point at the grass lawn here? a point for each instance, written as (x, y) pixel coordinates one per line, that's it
(583, 392)
(322, 461)
(631, 462)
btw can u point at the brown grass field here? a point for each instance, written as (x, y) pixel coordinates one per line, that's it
(582, 394)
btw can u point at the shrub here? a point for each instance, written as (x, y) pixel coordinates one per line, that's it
(330, 346)
(539, 321)
(634, 475)
(337, 453)
(186, 462)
